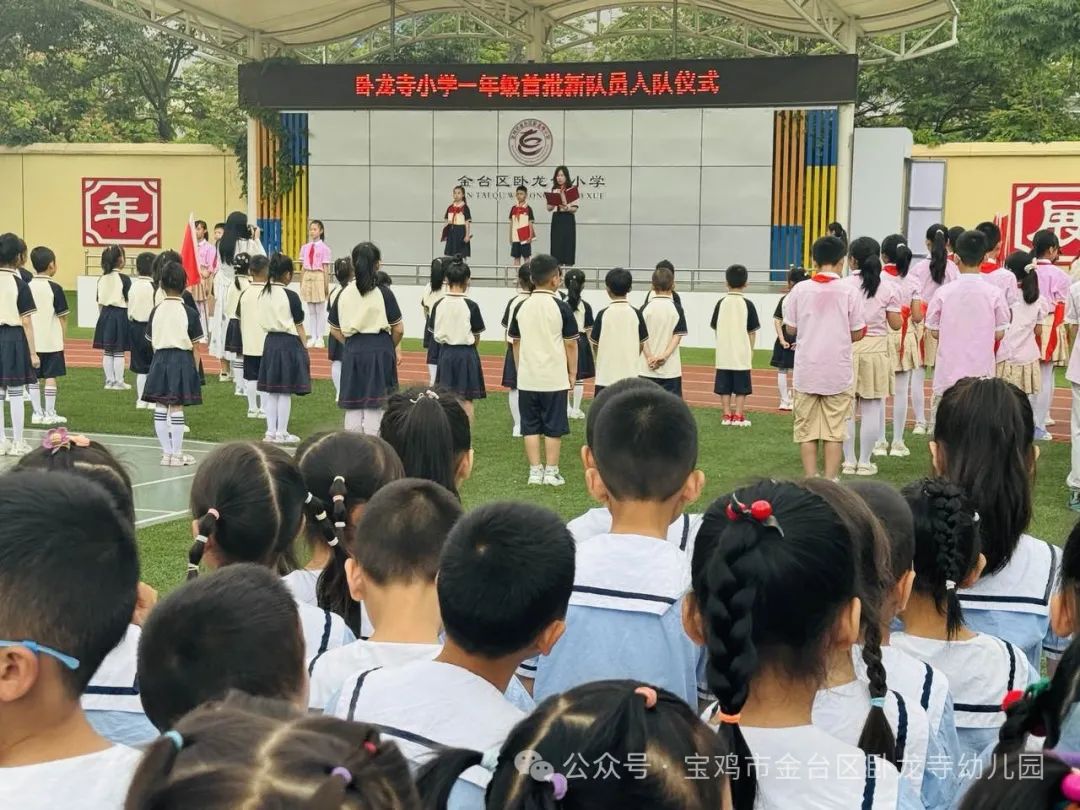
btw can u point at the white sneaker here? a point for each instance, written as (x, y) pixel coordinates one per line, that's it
(255, 414)
(56, 419)
(1050, 422)
(310, 343)
(122, 386)
(110, 386)
(536, 476)
(866, 469)
(577, 414)
(741, 421)
(848, 469)
(224, 376)
(516, 433)
(727, 421)
(288, 438)
(260, 413)
(183, 461)
(918, 430)
(552, 478)
(899, 449)
(880, 449)
(270, 438)
(786, 405)
(240, 392)
(18, 449)
(40, 419)
(166, 460)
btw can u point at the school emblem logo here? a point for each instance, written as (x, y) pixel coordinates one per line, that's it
(531, 142)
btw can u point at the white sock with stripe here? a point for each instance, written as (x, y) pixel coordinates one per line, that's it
(18, 416)
(161, 428)
(118, 368)
(50, 399)
(107, 367)
(176, 430)
(140, 385)
(34, 392)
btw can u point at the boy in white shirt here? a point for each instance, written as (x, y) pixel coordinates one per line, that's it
(665, 322)
(618, 333)
(68, 575)
(391, 568)
(735, 321)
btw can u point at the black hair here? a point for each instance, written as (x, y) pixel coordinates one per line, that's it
(867, 255)
(970, 248)
(219, 225)
(41, 257)
(772, 599)
(524, 277)
(241, 267)
(94, 461)
(322, 228)
(257, 495)
(280, 270)
(984, 433)
(619, 282)
(259, 264)
(236, 229)
(954, 235)
(1029, 780)
(238, 629)
(341, 471)
(401, 535)
(946, 544)
(1069, 572)
(992, 233)
(566, 174)
(663, 280)
(1043, 712)
(1043, 242)
(229, 751)
(604, 397)
(202, 222)
(835, 229)
(894, 515)
(646, 445)
(461, 188)
(458, 272)
(828, 251)
(1027, 279)
(894, 248)
(575, 283)
(382, 279)
(796, 275)
(505, 575)
(69, 568)
(365, 258)
(173, 278)
(430, 430)
(542, 267)
(9, 249)
(938, 238)
(521, 188)
(144, 264)
(665, 264)
(438, 273)
(343, 270)
(110, 259)
(162, 259)
(736, 276)
(593, 722)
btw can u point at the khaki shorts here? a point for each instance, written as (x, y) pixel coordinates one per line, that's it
(820, 417)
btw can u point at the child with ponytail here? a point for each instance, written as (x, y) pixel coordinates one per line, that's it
(1018, 353)
(343, 272)
(980, 668)
(234, 337)
(112, 333)
(432, 434)
(783, 356)
(341, 472)
(927, 276)
(252, 334)
(775, 597)
(221, 755)
(583, 314)
(433, 293)
(315, 259)
(881, 305)
(509, 377)
(456, 325)
(1054, 286)
(908, 373)
(285, 369)
(541, 764)
(247, 501)
(140, 305)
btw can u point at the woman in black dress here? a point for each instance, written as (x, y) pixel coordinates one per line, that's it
(563, 225)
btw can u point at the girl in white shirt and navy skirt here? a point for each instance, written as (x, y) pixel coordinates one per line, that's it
(509, 375)
(234, 339)
(18, 357)
(365, 317)
(335, 350)
(112, 334)
(286, 367)
(433, 293)
(140, 305)
(456, 325)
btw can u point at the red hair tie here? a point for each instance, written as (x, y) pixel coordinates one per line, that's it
(760, 511)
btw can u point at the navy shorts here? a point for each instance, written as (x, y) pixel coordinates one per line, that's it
(520, 251)
(543, 413)
(673, 385)
(733, 382)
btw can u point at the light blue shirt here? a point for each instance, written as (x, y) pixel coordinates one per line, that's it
(112, 702)
(123, 728)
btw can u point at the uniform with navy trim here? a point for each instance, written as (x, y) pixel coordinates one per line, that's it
(981, 670)
(234, 335)
(334, 347)
(456, 325)
(542, 325)
(681, 533)
(586, 363)
(323, 631)
(734, 319)
(618, 333)
(664, 320)
(112, 333)
(428, 300)
(331, 670)
(509, 375)
(253, 336)
(368, 364)
(173, 330)
(455, 230)
(16, 302)
(140, 305)
(50, 305)
(112, 702)
(285, 366)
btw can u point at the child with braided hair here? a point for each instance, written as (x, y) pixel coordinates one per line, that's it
(775, 597)
(981, 668)
(258, 752)
(341, 471)
(393, 557)
(248, 500)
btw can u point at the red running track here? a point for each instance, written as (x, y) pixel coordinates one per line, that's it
(697, 381)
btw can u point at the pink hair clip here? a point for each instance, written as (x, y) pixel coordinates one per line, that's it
(58, 438)
(649, 694)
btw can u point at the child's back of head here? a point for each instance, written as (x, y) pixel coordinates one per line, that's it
(542, 269)
(970, 248)
(619, 282)
(144, 264)
(505, 577)
(430, 431)
(894, 515)
(736, 277)
(250, 751)
(41, 258)
(238, 629)
(68, 574)
(828, 251)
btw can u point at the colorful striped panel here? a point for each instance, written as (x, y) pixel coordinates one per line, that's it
(287, 215)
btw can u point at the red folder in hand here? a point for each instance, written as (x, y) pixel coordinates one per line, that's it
(554, 198)
(524, 233)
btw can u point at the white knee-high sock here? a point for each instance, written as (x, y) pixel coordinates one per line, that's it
(270, 405)
(900, 405)
(781, 383)
(354, 420)
(335, 375)
(372, 421)
(918, 394)
(3, 396)
(250, 387)
(34, 391)
(284, 412)
(312, 320)
(107, 367)
(118, 368)
(140, 386)
(18, 416)
(1045, 395)
(849, 441)
(176, 430)
(50, 399)
(161, 428)
(882, 433)
(237, 367)
(432, 370)
(579, 392)
(322, 309)
(515, 409)
(870, 429)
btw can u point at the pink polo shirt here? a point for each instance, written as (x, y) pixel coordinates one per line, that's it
(825, 313)
(873, 310)
(905, 286)
(206, 255)
(966, 313)
(1019, 345)
(1072, 317)
(1004, 280)
(1053, 282)
(314, 255)
(925, 286)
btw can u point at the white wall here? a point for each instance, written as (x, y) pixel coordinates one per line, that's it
(879, 181)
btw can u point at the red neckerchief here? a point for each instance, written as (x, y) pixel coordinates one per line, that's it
(823, 278)
(988, 267)
(891, 270)
(454, 208)
(519, 210)
(311, 257)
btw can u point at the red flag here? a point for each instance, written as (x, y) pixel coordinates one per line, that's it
(188, 255)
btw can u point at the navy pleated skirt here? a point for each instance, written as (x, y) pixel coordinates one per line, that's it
(113, 331)
(52, 365)
(586, 364)
(368, 371)
(509, 378)
(15, 366)
(173, 379)
(234, 341)
(459, 370)
(334, 349)
(142, 352)
(286, 366)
